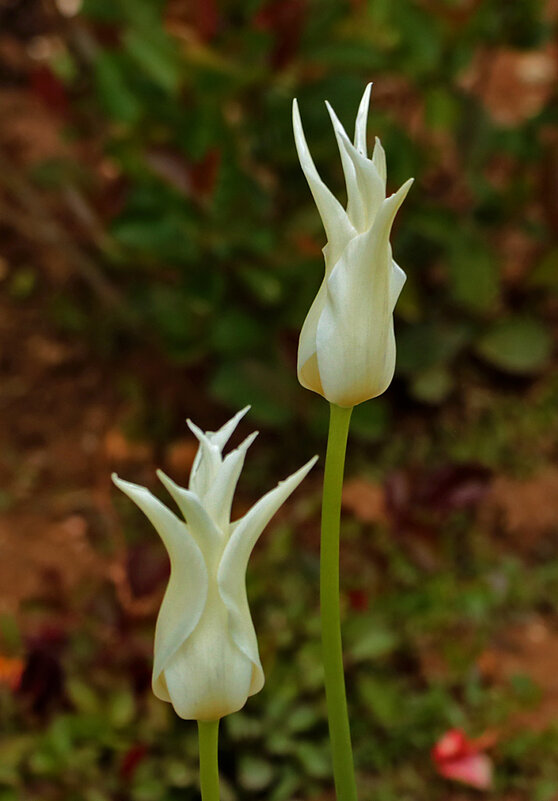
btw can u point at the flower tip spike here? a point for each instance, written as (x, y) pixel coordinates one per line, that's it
(361, 120)
(196, 430)
(404, 189)
(337, 125)
(222, 436)
(396, 199)
(335, 221)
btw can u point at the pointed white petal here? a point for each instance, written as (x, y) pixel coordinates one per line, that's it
(366, 191)
(218, 500)
(334, 218)
(222, 436)
(361, 120)
(232, 570)
(379, 161)
(355, 207)
(187, 589)
(207, 535)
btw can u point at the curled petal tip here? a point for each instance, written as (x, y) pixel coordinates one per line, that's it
(121, 483)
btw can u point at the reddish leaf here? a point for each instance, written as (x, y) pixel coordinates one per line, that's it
(131, 759)
(46, 86)
(207, 19)
(285, 20)
(358, 600)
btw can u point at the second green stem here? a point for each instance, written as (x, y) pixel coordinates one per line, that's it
(338, 717)
(208, 738)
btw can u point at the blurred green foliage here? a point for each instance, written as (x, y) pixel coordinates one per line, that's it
(215, 239)
(211, 235)
(110, 738)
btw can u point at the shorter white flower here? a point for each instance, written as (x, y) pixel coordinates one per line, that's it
(206, 653)
(346, 350)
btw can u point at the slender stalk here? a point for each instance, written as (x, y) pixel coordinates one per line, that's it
(208, 737)
(338, 717)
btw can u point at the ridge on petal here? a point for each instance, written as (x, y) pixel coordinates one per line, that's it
(207, 535)
(219, 498)
(379, 161)
(206, 462)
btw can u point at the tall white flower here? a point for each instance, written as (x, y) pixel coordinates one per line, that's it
(206, 653)
(347, 343)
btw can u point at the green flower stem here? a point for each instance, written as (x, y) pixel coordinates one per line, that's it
(208, 737)
(339, 731)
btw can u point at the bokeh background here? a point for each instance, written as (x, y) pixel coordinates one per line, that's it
(159, 252)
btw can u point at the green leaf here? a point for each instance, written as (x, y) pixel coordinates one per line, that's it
(473, 274)
(315, 759)
(545, 274)
(423, 346)
(374, 643)
(384, 699)
(369, 420)
(255, 774)
(235, 331)
(302, 718)
(121, 708)
(155, 53)
(10, 635)
(118, 99)
(267, 288)
(267, 388)
(82, 696)
(442, 109)
(432, 385)
(517, 345)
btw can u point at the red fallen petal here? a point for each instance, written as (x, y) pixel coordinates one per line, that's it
(452, 745)
(474, 770)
